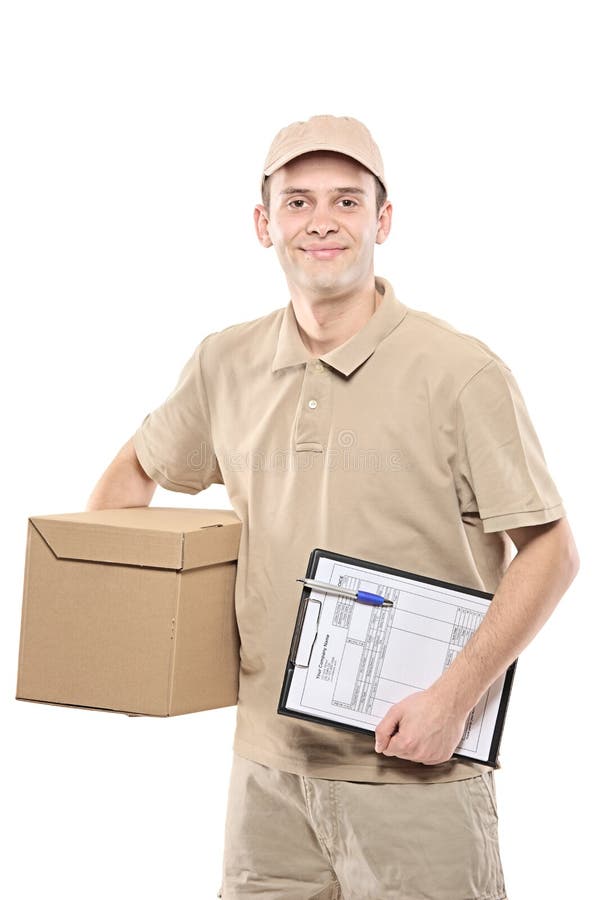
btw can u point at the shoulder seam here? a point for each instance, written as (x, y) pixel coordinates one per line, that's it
(490, 362)
(247, 322)
(457, 402)
(200, 386)
(454, 332)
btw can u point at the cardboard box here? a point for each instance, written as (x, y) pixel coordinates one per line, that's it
(131, 610)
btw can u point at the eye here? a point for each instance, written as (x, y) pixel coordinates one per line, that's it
(291, 203)
(347, 200)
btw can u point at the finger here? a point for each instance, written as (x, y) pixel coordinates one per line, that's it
(394, 746)
(388, 726)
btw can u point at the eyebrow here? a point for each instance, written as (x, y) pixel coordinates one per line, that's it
(338, 190)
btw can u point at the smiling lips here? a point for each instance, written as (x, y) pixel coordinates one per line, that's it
(323, 251)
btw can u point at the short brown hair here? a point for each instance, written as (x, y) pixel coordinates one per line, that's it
(380, 193)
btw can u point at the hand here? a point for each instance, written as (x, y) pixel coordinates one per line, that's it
(429, 729)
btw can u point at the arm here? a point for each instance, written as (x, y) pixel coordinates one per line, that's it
(123, 484)
(431, 722)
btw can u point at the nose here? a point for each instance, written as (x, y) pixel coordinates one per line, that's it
(321, 221)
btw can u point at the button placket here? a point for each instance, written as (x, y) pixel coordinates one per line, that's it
(314, 409)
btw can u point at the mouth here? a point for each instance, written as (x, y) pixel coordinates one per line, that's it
(329, 253)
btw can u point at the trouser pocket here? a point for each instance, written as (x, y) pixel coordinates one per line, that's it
(489, 786)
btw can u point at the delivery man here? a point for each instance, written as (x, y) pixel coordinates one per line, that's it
(350, 421)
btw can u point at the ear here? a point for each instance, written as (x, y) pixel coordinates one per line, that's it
(261, 224)
(384, 222)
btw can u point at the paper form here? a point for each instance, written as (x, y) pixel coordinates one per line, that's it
(354, 661)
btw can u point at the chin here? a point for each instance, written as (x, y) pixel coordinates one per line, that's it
(329, 281)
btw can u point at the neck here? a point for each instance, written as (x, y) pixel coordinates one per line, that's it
(328, 322)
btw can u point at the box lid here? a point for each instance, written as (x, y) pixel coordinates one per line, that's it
(162, 537)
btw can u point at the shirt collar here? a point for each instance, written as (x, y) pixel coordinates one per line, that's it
(350, 355)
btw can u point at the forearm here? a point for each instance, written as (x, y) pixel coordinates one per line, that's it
(123, 484)
(530, 589)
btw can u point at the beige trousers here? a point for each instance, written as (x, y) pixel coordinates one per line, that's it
(292, 837)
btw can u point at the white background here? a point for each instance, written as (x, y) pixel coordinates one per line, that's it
(133, 138)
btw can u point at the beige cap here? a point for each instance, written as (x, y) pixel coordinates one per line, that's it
(343, 134)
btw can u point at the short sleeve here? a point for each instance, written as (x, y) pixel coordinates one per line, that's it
(174, 442)
(501, 471)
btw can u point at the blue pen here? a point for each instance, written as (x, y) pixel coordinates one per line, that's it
(360, 596)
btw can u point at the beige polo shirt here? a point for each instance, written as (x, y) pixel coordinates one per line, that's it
(408, 445)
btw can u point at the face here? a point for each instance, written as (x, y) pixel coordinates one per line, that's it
(323, 223)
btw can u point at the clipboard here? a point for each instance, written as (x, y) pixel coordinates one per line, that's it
(349, 662)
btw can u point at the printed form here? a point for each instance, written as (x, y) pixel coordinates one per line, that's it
(354, 661)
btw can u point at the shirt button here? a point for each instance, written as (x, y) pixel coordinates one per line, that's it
(312, 403)
(318, 367)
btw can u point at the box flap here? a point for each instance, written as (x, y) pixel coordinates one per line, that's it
(161, 537)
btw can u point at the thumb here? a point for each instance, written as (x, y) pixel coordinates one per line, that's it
(387, 727)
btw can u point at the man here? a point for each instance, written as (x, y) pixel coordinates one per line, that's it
(348, 421)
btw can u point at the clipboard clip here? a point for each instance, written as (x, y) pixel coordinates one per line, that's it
(306, 633)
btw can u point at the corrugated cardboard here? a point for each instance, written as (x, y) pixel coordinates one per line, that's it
(131, 610)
